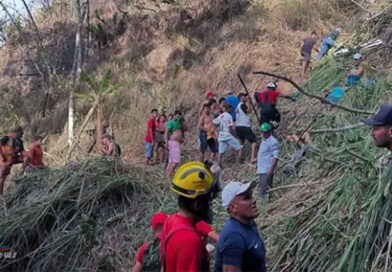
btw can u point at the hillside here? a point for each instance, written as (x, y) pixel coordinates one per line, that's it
(324, 216)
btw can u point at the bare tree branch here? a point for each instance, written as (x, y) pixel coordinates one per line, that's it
(32, 21)
(320, 98)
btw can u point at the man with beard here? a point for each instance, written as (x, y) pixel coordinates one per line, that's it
(382, 130)
(182, 246)
(240, 246)
(382, 126)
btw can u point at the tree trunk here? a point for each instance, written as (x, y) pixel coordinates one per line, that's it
(71, 118)
(76, 72)
(99, 125)
(87, 33)
(84, 124)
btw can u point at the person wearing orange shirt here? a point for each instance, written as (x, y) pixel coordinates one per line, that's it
(33, 160)
(6, 160)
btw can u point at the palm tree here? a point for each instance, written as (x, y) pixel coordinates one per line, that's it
(99, 90)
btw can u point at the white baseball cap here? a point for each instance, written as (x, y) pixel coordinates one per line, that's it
(232, 189)
(357, 56)
(271, 85)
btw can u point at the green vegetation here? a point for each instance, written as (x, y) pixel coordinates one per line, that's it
(345, 224)
(81, 217)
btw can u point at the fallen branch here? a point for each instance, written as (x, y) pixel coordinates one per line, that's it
(362, 7)
(293, 186)
(365, 160)
(339, 129)
(320, 98)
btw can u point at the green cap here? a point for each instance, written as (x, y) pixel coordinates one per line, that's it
(265, 127)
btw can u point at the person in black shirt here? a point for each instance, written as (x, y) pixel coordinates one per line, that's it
(17, 144)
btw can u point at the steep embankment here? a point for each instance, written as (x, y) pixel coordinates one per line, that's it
(331, 213)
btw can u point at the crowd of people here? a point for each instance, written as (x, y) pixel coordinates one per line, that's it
(12, 152)
(182, 241)
(225, 123)
(222, 124)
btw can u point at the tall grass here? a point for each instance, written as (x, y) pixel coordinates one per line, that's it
(346, 225)
(87, 216)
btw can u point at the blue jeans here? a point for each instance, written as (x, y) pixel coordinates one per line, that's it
(326, 44)
(149, 148)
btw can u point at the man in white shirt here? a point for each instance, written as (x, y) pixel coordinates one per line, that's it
(243, 126)
(226, 138)
(267, 158)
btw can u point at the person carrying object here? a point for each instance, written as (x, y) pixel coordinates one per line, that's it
(267, 102)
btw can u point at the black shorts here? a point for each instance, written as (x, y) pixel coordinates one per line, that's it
(204, 143)
(305, 56)
(245, 133)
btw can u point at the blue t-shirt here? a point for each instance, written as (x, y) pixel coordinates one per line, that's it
(336, 95)
(234, 101)
(241, 246)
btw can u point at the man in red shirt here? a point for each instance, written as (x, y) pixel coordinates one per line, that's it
(150, 135)
(267, 102)
(151, 263)
(148, 255)
(182, 245)
(33, 160)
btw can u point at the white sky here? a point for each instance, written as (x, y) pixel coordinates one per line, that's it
(16, 7)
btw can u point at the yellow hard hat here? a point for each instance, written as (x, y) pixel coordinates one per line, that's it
(192, 179)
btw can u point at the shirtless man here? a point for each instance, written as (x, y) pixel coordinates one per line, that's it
(109, 148)
(208, 95)
(174, 135)
(207, 133)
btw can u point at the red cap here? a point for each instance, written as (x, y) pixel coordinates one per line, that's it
(209, 94)
(158, 218)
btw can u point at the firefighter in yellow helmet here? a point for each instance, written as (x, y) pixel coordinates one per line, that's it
(182, 247)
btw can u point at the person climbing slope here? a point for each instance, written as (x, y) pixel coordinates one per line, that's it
(328, 42)
(306, 51)
(267, 101)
